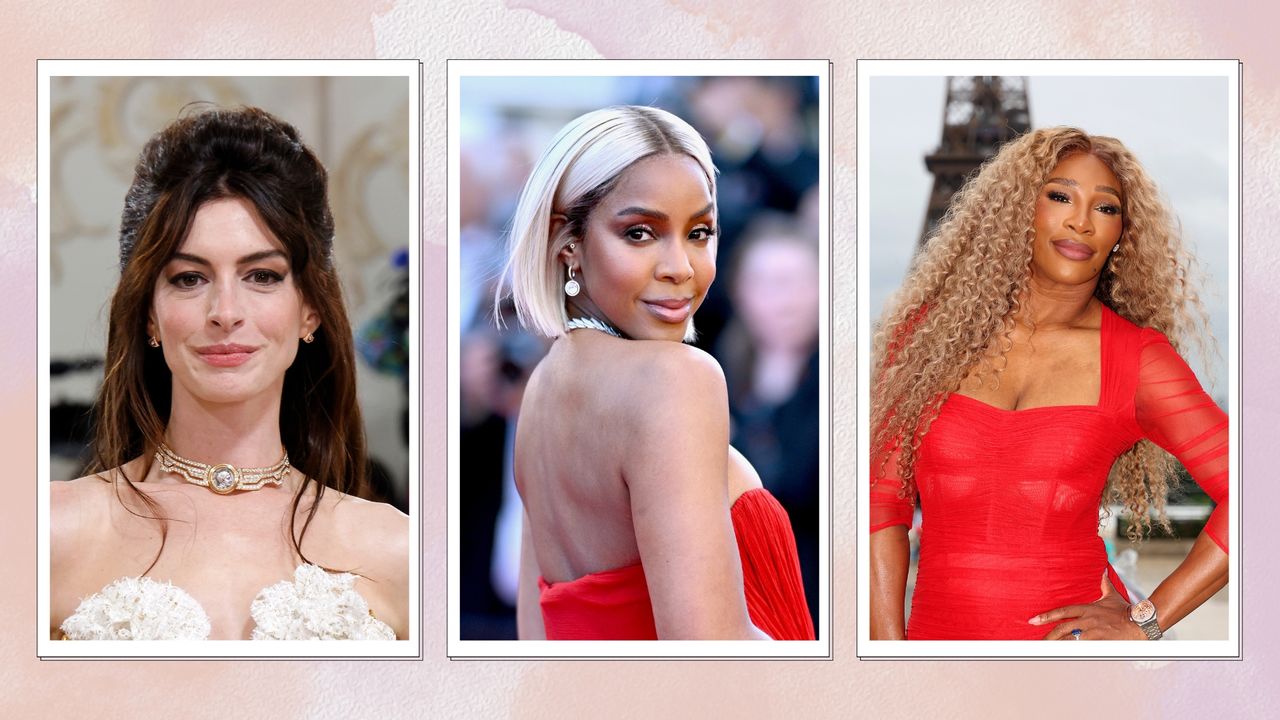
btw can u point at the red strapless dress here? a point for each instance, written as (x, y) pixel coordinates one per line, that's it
(1010, 498)
(614, 604)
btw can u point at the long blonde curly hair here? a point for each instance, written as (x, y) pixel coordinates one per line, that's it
(966, 285)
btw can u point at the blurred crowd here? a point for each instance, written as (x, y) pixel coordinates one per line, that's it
(760, 319)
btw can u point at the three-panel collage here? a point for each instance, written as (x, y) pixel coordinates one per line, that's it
(659, 428)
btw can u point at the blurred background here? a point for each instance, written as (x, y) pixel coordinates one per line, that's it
(359, 128)
(760, 318)
(928, 133)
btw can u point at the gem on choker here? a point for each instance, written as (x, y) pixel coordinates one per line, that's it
(222, 478)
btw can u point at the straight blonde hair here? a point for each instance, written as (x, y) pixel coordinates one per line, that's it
(576, 171)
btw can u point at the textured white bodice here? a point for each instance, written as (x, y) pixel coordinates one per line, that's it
(315, 605)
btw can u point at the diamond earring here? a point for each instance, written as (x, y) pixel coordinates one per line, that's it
(572, 288)
(1116, 247)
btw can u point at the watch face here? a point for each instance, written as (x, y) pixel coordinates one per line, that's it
(1142, 611)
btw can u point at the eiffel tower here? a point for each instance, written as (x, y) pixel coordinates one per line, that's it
(981, 114)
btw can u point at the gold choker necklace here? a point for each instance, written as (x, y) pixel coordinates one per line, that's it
(222, 478)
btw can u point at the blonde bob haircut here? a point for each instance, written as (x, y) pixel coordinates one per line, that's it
(578, 169)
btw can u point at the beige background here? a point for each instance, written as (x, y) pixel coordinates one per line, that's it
(842, 31)
(357, 126)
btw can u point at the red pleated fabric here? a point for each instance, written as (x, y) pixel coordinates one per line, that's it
(1010, 499)
(1176, 414)
(770, 567)
(615, 605)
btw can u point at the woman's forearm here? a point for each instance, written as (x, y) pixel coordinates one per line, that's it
(890, 559)
(1195, 580)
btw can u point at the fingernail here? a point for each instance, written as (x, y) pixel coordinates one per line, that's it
(1035, 620)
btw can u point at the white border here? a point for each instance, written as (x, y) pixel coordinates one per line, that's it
(869, 69)
(820, 648)
(410, 71)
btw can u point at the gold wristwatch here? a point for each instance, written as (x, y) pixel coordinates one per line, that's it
(1144, 615)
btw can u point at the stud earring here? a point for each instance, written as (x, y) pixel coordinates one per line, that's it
(1115, 247)
(309, 338)
(153, 342)
(572, 288)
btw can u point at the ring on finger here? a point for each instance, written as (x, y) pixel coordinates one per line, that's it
(1076, 633)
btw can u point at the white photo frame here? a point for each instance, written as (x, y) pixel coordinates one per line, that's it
(870, 72)
(409, 73)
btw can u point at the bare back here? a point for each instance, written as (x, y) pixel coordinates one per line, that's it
(575, 438)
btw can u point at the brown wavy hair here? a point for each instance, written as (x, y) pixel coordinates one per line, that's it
(219, 153)
(965, 287)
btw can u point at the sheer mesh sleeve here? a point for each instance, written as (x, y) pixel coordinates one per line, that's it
(1175, 413)
(887, 509)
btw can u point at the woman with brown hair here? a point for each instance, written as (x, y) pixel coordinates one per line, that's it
(228, 442)
(1028, 370)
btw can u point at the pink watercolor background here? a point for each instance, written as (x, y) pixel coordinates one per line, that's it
(435, 31)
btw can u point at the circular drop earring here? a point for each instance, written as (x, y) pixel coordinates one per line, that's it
(572, 288)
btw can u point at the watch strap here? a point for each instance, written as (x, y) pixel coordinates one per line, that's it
(1152, 629)
(1151, 626)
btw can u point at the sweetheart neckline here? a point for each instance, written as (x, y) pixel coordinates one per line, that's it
(314, 604)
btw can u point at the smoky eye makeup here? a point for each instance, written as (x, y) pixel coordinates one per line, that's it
(265, 276)
(639, 233)
(1108, 208)
(703, 233)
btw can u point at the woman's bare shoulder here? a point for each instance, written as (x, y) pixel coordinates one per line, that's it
(81, 486)
(670, 371)
(372, 535)
(371, 540)
(631, 383)
(681, 397)
(73, 498)
(77, 508)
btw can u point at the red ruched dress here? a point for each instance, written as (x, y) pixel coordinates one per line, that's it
(1010, 499)
(614, 604)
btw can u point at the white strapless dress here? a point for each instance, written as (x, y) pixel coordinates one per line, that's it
(315, 605)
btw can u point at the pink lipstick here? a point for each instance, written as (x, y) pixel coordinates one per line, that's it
(225, 355)
(670, 310)
(1073, 250)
